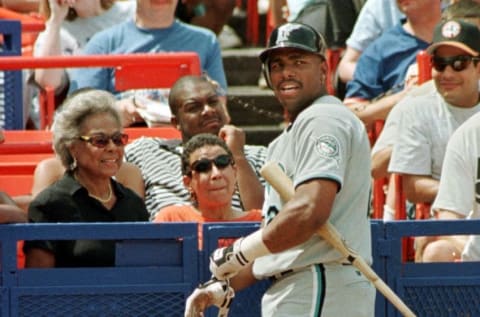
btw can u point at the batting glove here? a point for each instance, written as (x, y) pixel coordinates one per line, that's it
(227, 262)
(213, 292)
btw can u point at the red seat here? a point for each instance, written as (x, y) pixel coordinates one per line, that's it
(24, 149)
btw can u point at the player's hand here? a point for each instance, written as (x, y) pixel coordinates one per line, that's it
(213, 292)
(227, 262)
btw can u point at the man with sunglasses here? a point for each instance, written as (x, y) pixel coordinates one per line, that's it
(196, 107)
(326, 153)
(428, 122)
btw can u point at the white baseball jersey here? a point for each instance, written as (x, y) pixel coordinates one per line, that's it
(459, 189)
(326, 141)
(423, 132)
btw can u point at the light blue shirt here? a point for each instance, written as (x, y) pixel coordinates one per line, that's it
(375, 17)
(127, 38)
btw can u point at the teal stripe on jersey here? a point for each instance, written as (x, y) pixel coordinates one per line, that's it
(319, 292)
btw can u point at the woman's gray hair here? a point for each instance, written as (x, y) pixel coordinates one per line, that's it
(71, 116)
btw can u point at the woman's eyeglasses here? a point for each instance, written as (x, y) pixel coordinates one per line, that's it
(205, 165)
(457, 63)
(102, 140)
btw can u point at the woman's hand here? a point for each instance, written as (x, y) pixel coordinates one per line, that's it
(59, 9)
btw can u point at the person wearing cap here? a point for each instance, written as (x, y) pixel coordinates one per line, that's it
(427, 123)
(326, 153)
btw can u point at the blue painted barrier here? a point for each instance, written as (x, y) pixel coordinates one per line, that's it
(432, 289)
(158, 266)
(156, 284)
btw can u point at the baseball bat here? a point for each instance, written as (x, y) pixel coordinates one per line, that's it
(283, 185)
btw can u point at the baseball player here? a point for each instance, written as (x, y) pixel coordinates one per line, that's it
(325, 151)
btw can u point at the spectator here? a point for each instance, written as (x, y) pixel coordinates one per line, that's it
(428, 122)
(378, 82)
(382, 149)
(325, 151)
(375, 17)
(87, 136)
(154, 29)
(209, 174)
(69, 26)
(196, 108)
(458, 193)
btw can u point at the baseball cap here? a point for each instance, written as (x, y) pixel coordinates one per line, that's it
(457, 33)
(295, 35)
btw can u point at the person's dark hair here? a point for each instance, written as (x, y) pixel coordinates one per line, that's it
(75, 110)
(463, 9)
(45, 11)
(199, 141)
(186, 82)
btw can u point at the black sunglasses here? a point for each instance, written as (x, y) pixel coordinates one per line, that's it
(205, 165)
(457, 63)
(102, 140)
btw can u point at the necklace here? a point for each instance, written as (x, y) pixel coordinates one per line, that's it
(100, 199)
(106, 200)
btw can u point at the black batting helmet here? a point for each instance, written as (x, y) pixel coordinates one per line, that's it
(292, 35)
(295, 35)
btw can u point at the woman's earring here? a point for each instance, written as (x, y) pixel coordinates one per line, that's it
(73, 165)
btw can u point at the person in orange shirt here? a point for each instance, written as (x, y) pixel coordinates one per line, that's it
(210, 174)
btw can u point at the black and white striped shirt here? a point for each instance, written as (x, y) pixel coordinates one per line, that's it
(159, 161)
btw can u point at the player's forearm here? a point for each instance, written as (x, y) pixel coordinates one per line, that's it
(251, 190)
(243, 279)
(301, 217)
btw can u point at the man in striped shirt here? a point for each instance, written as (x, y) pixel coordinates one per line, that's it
(196, 108)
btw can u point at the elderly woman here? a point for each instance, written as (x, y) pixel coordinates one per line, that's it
(88, 138)
(210, 174)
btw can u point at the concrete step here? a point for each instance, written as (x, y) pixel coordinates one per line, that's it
(242, 66)
(257, 112)
(251, 105)
(262, 135)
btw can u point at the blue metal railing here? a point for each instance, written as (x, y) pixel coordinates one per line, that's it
(159, 265)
